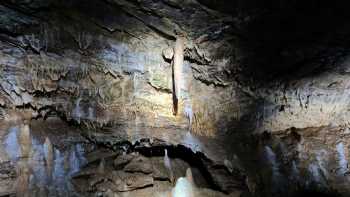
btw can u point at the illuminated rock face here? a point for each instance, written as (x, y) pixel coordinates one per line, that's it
(110, 70)
(177, 71)
(105, 70)
(183, 188)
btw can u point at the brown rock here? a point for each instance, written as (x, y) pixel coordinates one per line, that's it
(98, 155)
(139, 164)
(122, 160)
(160, 172)
(124, 181)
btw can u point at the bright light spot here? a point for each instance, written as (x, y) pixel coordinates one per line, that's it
(183, 188)
(192, 142)
(77, 113)
(342, 158)
(167, 160)
(188, 113)
(11, 144)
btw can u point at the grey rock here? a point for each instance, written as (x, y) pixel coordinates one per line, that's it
(168, 54)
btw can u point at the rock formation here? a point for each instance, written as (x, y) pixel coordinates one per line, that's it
(252, 96)
(177, 71)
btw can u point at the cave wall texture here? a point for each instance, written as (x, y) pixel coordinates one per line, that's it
(264, 85)
(114, 62)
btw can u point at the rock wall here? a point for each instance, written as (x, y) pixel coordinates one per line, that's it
(106, 66)
(259, 86)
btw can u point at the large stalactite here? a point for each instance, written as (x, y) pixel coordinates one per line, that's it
(178, 62)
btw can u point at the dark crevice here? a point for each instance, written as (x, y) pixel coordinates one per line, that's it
(184, 153)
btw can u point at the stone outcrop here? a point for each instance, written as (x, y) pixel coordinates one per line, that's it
(152, 175)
